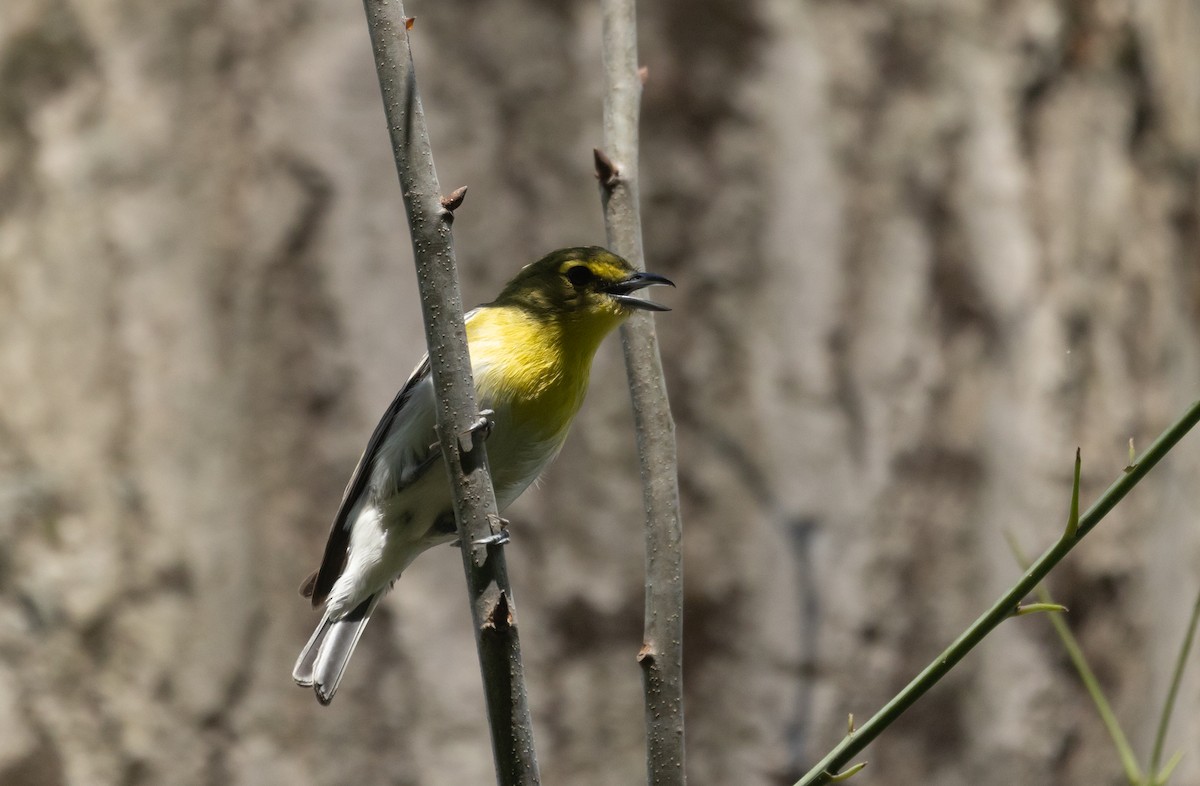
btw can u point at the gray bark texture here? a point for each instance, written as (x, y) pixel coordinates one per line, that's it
(924, 248)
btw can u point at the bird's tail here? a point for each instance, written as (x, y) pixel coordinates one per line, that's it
(323, 659)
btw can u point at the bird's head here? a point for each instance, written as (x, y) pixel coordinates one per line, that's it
(588, 283)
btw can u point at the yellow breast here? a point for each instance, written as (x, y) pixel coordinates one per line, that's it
(535, 369)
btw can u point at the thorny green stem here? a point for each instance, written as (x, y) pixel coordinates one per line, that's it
(849, 747)
(1133, 772)
(1160, 736)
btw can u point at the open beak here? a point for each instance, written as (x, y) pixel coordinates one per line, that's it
(620, 291)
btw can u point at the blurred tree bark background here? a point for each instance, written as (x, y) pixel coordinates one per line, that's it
(924, 248)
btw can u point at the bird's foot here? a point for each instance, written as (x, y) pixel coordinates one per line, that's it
(484, 422)
(478, 431)
(498, 537)
(499, 534)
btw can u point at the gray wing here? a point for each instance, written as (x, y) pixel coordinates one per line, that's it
(318, 585)
(333, 562)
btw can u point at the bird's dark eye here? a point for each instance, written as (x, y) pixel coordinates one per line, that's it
(580, 275)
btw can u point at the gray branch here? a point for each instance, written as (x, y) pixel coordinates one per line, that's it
(661, 656)
(429, 219)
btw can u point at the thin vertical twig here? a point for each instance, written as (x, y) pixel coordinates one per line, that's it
(429, 219)
(661, 656)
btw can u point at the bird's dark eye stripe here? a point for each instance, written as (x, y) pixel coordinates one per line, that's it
(580, 274)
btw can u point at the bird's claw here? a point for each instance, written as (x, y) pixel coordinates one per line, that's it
(483, 424)
(499, 534)
(498, 537)
(481, 429)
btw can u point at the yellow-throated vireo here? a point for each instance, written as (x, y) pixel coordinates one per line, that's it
(531, 355)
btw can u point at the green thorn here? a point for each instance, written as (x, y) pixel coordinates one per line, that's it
(850, 725)
(848, 774)
(1073, 519)
(1034, 608)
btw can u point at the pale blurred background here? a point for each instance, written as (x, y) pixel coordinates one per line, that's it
(924, 249)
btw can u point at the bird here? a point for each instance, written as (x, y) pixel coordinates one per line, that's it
(531, 354)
